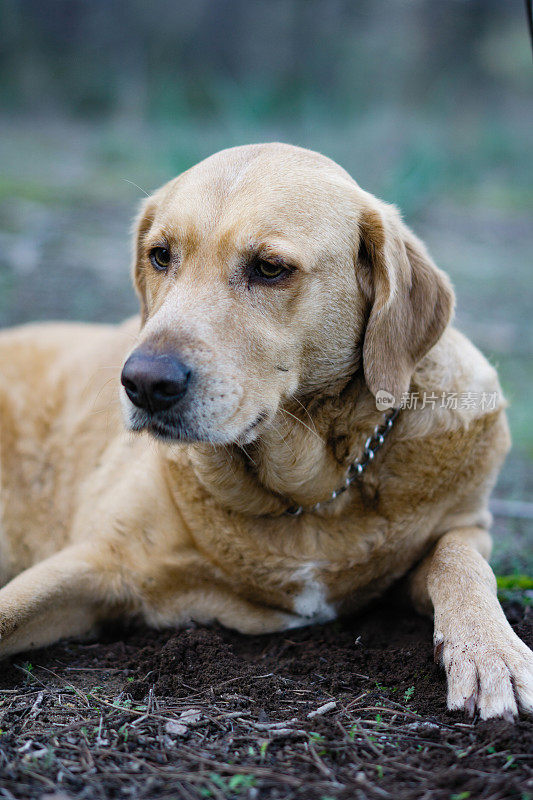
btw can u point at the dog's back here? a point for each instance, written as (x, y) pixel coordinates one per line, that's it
(59, 410)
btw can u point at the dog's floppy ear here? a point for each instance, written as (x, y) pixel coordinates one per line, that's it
(411, 301)
(142, 225)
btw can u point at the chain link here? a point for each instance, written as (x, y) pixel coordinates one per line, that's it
(357, 467)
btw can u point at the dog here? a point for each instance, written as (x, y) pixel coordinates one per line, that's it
(274, 469)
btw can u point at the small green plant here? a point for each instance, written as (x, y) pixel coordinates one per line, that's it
(460, 796)
(218, 780)
(92, 695)
(407, 695)
(317, 738)
(124, 704)
(27, 668)
(237, 783)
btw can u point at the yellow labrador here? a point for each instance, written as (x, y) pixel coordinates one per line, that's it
(263, 487)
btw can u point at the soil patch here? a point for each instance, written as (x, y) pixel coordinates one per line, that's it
(355, 708)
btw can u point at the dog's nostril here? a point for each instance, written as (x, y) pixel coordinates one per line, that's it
(128, 384)
(171, 388)
(166, 393)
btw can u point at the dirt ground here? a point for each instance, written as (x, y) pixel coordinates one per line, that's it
(351, 709)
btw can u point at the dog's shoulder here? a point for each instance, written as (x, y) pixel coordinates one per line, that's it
(453, 434)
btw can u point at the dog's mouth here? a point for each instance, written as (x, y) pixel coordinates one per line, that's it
(175, 432)
(172, 429)
(251, 431)
(164, 428)
(166, 431)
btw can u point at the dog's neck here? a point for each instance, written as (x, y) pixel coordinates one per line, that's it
(299, 460)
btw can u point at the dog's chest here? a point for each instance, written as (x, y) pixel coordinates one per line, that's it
(311, 600)
(317, 571)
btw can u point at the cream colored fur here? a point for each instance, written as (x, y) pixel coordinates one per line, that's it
(98, 521)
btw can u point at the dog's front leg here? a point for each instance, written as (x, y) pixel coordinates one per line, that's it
(64, 595)
(487, 666)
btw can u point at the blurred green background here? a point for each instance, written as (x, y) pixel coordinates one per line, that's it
(427, 104)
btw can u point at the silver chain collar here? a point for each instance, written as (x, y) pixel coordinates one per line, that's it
(357, 467)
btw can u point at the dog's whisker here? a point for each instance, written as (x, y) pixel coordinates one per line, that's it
(284, 440)
(101, 389)
(284, 411)
(111, 403)
(308, 413)
(247, 454)
(136, 186)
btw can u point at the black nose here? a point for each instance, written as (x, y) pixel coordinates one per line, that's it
(154, 381)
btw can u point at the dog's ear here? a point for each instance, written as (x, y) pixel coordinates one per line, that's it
(410, 300)
(142, 225)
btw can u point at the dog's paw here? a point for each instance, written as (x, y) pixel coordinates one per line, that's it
(488, 670)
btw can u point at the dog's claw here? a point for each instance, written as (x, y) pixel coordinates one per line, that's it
(470, 705)
(437, 652)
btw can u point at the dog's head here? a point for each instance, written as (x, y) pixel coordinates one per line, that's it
(265, 272)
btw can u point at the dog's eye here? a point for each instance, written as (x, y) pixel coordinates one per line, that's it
(267, 271)
(160, 257)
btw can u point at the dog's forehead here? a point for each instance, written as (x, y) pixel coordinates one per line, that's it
(270, 190)
(253, 164)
